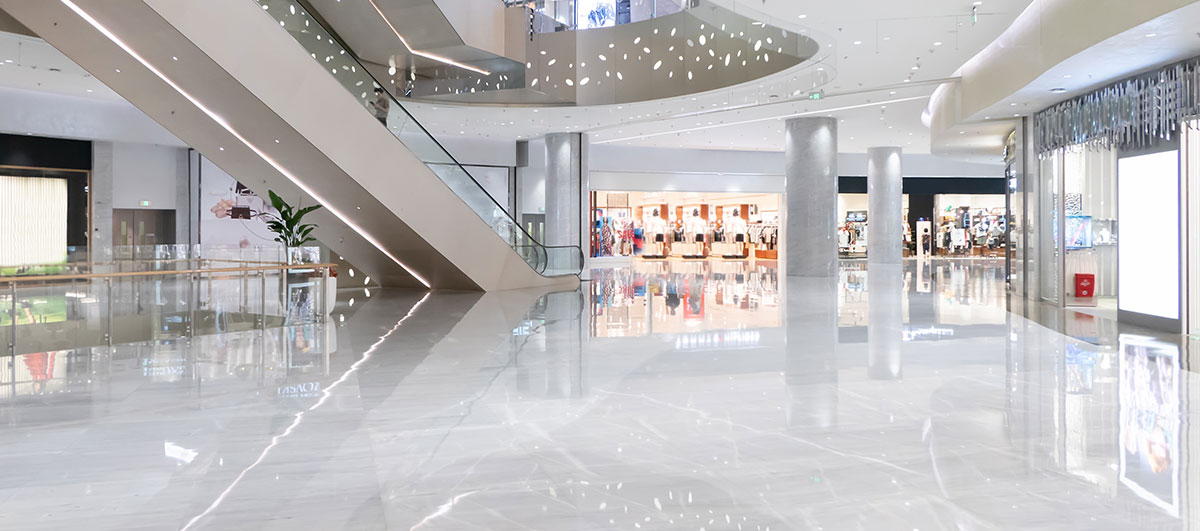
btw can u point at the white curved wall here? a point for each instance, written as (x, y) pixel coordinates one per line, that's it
(1047, 34)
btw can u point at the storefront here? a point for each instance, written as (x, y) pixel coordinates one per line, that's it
(44, 206)
(1108, 224)
(685, 225)
(925, 200)
(854, 225)
(970, 225)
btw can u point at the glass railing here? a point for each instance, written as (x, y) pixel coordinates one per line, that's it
(141, 258)
(355, 77)
(567, 15)
(129, 302)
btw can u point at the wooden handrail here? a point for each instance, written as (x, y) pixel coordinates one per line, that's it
(85, 276)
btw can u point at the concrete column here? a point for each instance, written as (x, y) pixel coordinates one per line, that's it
(564, 193)
(101, 194)
(183, 198)
(810, 219)
(885, 202)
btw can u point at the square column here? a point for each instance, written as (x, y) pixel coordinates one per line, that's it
(810, 239)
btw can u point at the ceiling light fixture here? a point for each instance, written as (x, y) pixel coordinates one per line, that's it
(426, 55)
(756, 120)
(221, 121)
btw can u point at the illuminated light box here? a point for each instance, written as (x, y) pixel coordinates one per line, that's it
(595, 14)
(1148, 252)
(33, 221)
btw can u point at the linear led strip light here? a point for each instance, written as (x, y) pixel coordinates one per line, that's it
(426, 55)
(221, 121)
(770, 118)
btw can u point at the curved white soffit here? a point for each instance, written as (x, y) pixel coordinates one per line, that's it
(1046, 34)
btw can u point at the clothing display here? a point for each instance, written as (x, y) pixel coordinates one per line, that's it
(764, 236)
(651, 225)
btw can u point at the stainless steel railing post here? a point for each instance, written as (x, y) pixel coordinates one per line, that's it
(324, 295)
(108, 328)
(12, 334)
(262, 305)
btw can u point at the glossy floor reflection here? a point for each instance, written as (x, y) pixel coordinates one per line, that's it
(664, 396)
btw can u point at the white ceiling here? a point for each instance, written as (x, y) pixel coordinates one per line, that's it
(32, 64)
(876, 45)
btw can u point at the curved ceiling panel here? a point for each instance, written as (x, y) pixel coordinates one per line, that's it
(1024, 70)
(703, 48)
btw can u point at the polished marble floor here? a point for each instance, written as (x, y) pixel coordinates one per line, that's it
(714, 396)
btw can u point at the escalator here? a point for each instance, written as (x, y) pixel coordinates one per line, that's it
(265, 92)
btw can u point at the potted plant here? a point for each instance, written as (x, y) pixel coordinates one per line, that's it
(289, 230)
(287, 226)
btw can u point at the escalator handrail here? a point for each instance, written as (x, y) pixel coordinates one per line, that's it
(354, 57)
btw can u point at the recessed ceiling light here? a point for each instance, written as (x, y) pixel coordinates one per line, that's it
(856, 43)
(803, 16)
(1151, 34)
(938, 43)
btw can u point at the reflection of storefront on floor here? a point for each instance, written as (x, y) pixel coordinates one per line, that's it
(970, 225)
(685, 225)
(678, 297)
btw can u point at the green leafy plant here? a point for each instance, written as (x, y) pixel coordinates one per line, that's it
(286, 226)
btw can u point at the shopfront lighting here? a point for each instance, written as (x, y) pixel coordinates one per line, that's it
(228, 128)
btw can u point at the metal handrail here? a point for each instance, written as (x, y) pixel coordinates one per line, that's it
(334, 37)
(168, 272)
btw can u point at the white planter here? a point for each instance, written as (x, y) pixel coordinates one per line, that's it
(330, 294)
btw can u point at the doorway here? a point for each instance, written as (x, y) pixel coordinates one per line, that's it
(136, 231)
(535, 225)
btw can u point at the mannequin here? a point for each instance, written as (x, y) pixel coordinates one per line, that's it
(656, 236)
(695, 229)
(736, 227)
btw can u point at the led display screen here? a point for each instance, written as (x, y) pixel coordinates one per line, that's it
(1148, 252)
(33, 216)
(596, 14)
